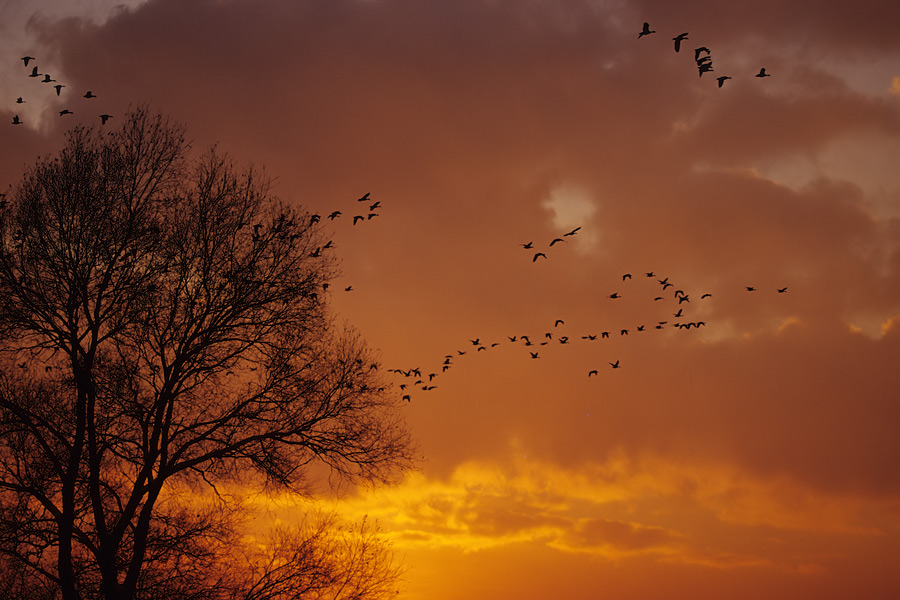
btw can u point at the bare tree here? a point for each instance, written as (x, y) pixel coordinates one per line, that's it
(162, 329)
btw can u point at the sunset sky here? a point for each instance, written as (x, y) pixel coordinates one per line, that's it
(757, 456)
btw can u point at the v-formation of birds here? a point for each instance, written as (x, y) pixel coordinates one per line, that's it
(702, 56)
(58, 87)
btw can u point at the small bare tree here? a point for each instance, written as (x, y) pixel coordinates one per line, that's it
(163, 328)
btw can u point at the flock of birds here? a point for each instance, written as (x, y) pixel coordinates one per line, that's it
(415, 378)
(418, 379)
(47, 79)
(702, 56)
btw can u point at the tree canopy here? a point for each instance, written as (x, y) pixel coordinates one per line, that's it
(164, 331)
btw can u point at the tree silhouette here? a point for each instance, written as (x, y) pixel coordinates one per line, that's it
(162, 338)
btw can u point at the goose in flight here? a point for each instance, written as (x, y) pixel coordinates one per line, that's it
(16, 120)
(334, 215)
(90, 94)
(750, 288)
(538, 254)
(47, 79)
(573, 232)
(58, 87)
(678, 39)
(65, 111)
(782, 290)
(592, 372)
(19, 100)
(615, 365)
(25, 59)
(555, 240)
(528, 246)
(34, 72)
(104, 119)
(645, 31)
(722, 79)
(762, 73)
(699, 51)
(364, 198)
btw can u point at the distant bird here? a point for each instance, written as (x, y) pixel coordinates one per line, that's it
(364, 198)
(592, 372)
(678, 39)
(623, 332)
(645, 31)
(47, 79)
(334, 215)
(751, 288)
(34, 72)
(762, 73)
(476, 341)
(704, 68)
(782, 290)
(104, 119)
(626, 276)
(19, 100)
(349, 288)
(650, 274)
(65, 111)
(25, 59)
(699, 51)
(705, 296)
(573, 232)
(313, 219)
(680, 313)
(722, 79)
(374, 206)
(534, 355)
(370, 215)
(556, 240)
(406, 397)
(16, 120)
(614, 295)
(615, 365)
(528, 246)
(589, 337)
(537, 254)
(703, 60)
(640, 327)
(559, 322)
(90, 94)
(657, 298)
(358, 218)
(58, 87)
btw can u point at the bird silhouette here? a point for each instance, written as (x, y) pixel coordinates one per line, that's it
(645, 31)
(25, 59)
(751, 288)
(334, 215)
(722, 79)
(573, 232)
(19, 100)
(614, 365)
(104, 118)
(358, 218)
(90, 94)
(528, 246)
(678, 39)
(556, 240)
(537, 254)
(534, 355)
(65, 111)
(699, 51)
(762, 73)
(364, 198)
(626, 276)
(614, 295)
(559, 322)
(374, 206)
(15, 120)
(47, 79)
(58, 87)
(704, 68)
(782, 290)
(34, 72)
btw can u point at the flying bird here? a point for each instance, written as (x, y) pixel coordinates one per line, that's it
(19, 100)
(678, 39)
(334, 215)
(615, 365)
(534, 355)
(46, 78)
(592, 372)
(364, 198)
(34, 72)
(90, 94)
(537, 254)
(782, 290)
(559, 322)
(762, 73)
(374, 206)
(626, 276)
(58, 87)
(16, 120)
(751, 288)
(645, 31)
(614, 295)
(700, 50)
(528, 246)
(65, 111)
(104, 119)
(358, 218)
(705, 296)
(722, 79)
(555, 240)
(704, 68)
(25, 59)
(573, 232)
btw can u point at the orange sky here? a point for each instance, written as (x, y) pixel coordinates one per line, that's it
(757, 456)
